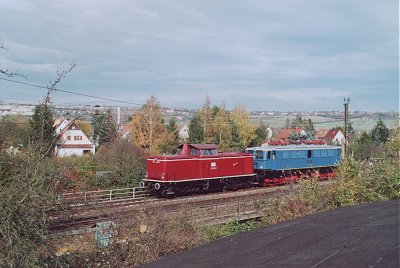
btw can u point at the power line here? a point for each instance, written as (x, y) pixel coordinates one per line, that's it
(88, 95)
(70, 92)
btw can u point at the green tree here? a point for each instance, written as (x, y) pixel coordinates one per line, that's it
(169, 142)
(297, 122)
(41, 126)
(14, 129)
(392, 146)
(196, 130)
(308, 125)
(380, 133)
(222, 128)
(287, 123)
(259, 138)
(363, 146)
(27, 184)
(126, 163)
(104, 128)
(245, 128)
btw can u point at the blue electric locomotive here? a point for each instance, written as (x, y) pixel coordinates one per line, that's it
(279, 164)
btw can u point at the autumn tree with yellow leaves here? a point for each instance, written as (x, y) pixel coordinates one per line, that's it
(245, 129)
(147, 126)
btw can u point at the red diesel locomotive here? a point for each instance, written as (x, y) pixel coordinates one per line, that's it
(198, 168)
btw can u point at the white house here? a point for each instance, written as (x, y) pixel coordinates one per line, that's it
(334, 136)
(71, 141)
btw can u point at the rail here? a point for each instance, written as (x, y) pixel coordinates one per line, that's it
(101, 196)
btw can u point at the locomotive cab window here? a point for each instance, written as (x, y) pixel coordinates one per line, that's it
(269, 155)
(273, 155)
(309, 154)
(250, 151)
(259, 154)
(209, 152)
(194, 151)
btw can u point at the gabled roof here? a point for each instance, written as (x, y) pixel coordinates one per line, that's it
(321, 133)
(66, 128)
(331, 135)
(285, 132)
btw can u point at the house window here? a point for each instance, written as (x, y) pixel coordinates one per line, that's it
(68, 138)
(78, 138)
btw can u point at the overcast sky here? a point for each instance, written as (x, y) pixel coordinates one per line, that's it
(267, 55)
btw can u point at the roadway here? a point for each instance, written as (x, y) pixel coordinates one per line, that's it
(357, 236)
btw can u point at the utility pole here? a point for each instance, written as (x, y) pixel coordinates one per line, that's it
(346, 126)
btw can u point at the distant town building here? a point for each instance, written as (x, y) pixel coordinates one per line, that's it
(71, 141)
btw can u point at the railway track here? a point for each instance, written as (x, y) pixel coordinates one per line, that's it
(82, 217)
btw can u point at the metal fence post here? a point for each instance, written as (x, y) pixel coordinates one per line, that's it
(110, 195)
(133, 192)
(85, 196)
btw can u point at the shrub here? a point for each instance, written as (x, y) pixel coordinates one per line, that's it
(27, 185)
(125, 165)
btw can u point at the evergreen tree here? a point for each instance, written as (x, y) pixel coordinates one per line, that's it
(236, 144)
(380, 133)
(297, 122)
(104, 128)
(260, 137)
(170, 140)
(362, 147)
(287, 123)
(41, 127)
(196, 130)
(308, 125)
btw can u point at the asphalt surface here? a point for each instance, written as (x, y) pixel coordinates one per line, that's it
(357, 236)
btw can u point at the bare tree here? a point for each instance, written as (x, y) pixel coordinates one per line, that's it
(6, 71)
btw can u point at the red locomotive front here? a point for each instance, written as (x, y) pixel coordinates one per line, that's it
(197, 168)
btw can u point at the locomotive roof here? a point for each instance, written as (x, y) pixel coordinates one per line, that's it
(293, 147)
(201, 146)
